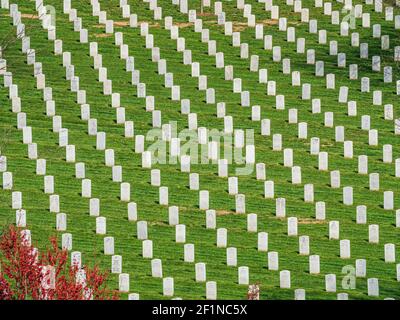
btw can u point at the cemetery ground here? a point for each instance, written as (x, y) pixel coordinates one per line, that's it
(82, 225)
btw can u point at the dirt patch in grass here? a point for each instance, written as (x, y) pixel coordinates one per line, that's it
(183, 24)
(269, 22)
(327, 144)
(29, 16)
(151, 24)
(126, 24)
(240, 26)
(223, 212)
(103, 35)
(310, 221)
(204, 14)
(116, 24)
(121, 23)
(158, 223)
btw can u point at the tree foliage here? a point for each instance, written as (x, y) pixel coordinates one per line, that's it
(26, 274)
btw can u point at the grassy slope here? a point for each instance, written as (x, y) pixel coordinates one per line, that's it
(42, 223)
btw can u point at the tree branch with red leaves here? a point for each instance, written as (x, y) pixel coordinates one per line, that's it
(26, 274)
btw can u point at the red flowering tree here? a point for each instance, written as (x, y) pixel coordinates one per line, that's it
(26, 274)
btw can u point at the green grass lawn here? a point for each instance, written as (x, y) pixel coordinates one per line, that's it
(82, 226)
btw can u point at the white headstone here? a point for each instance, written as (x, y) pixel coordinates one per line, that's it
(156, 268)
(314, 264)
(284, 278)
(390, 255)
(168, 286)
(373, 287)
(345, 249)
(222, 238)
(330, 283)
(180, 233)
(304, 245)
(334, 230)
(147, 249)
(142, 230)
(373, 233)
(188, 252)
(273, 260)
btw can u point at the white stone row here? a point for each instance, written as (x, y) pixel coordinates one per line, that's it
(330, 78)
(348, 146)
(142, 229)
(372, 139)
(94, 210)
(180, 236)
